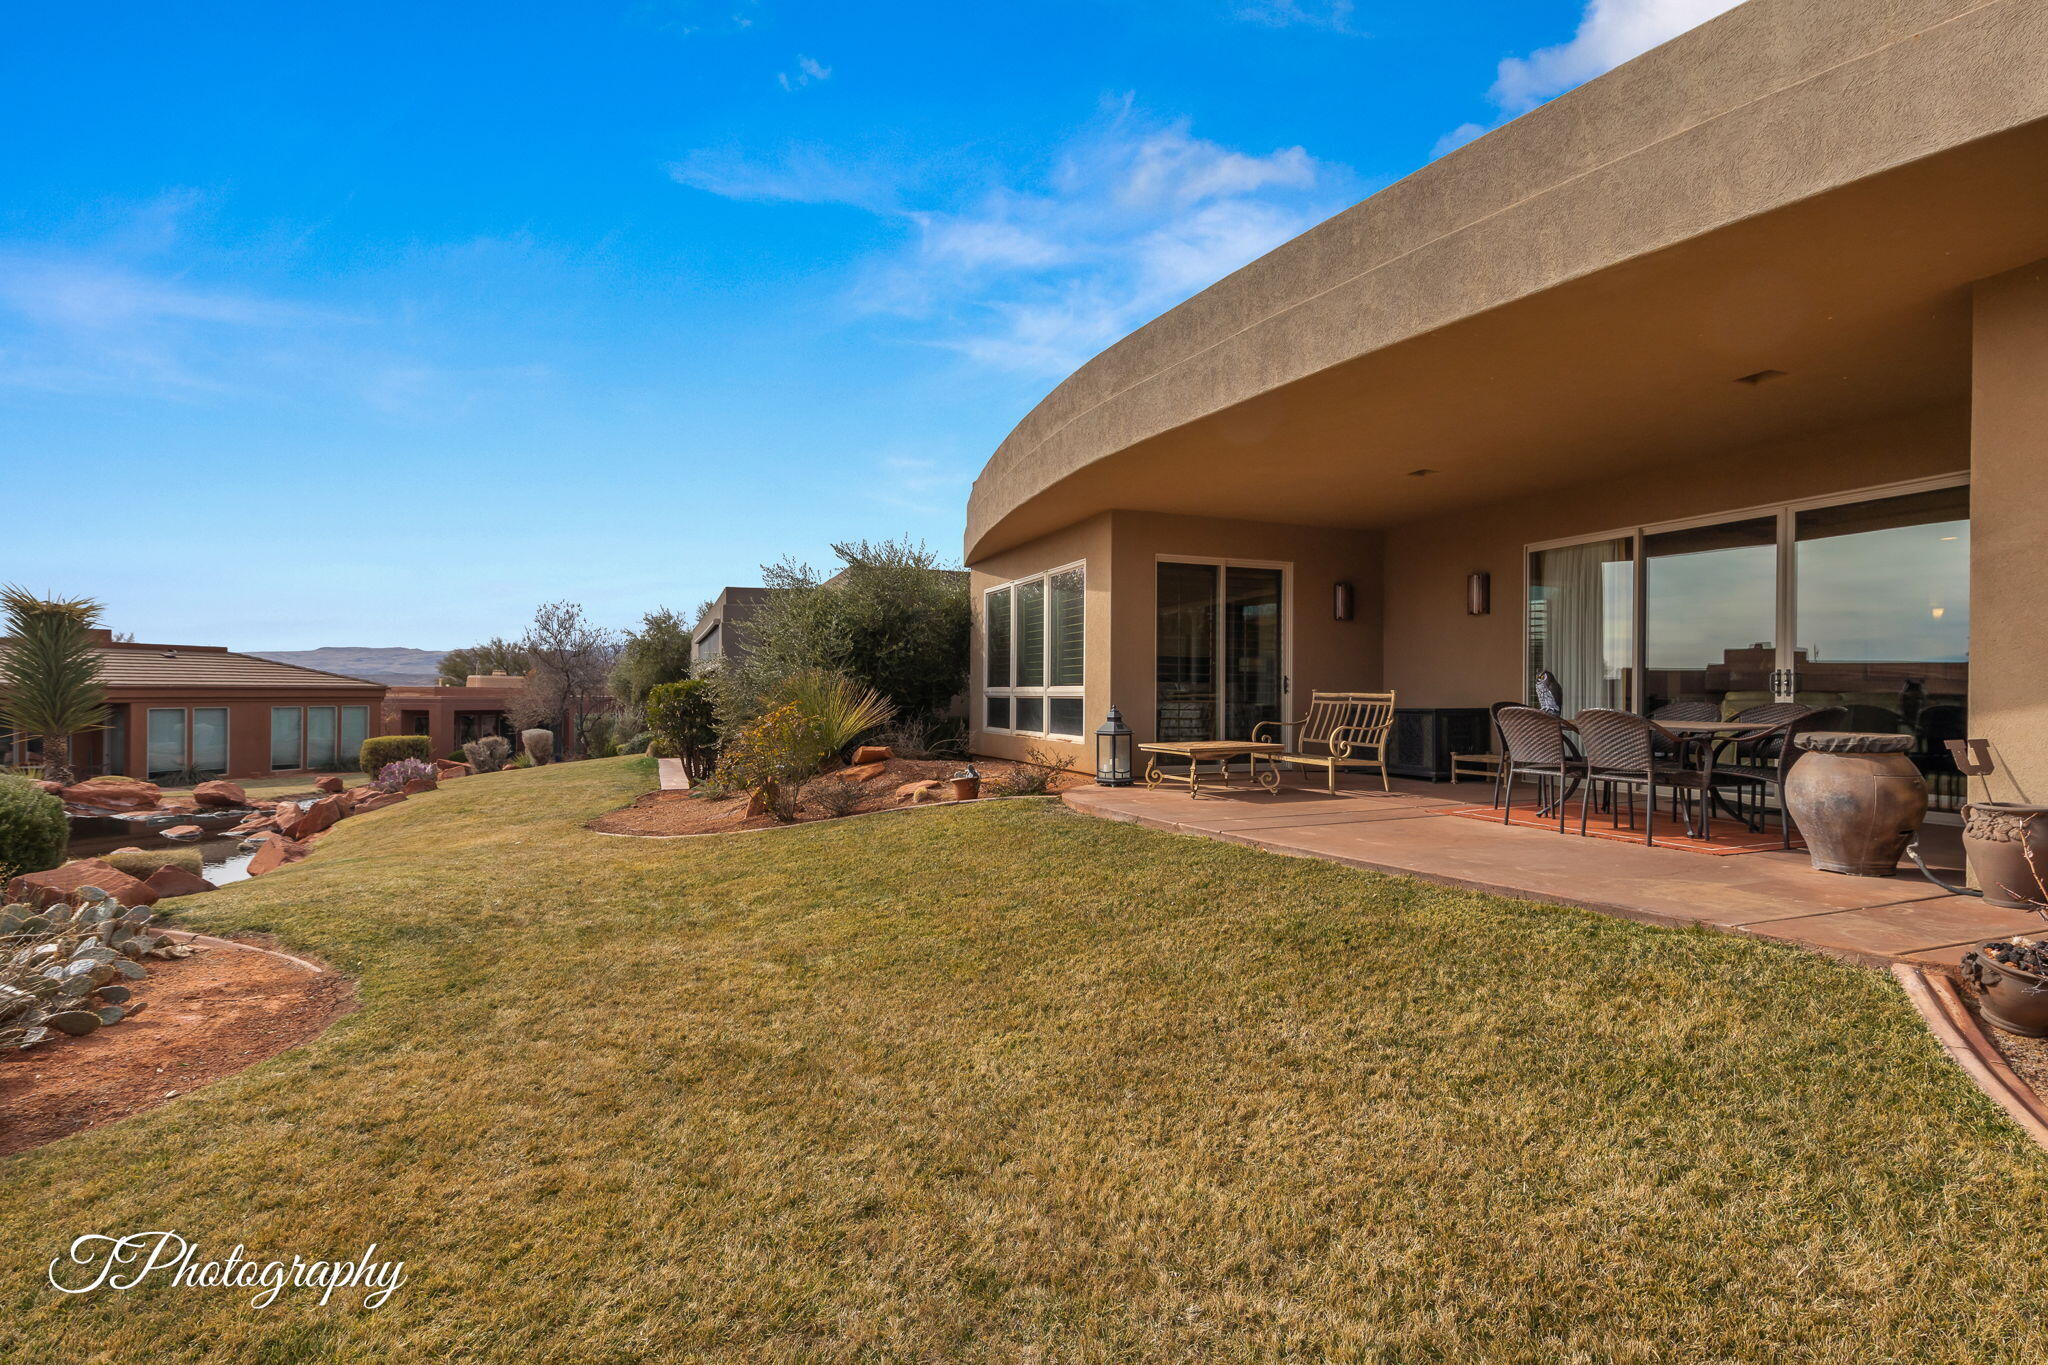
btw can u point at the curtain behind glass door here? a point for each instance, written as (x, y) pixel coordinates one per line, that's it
(1582, 622)
(1186, 678)
(1252, 652)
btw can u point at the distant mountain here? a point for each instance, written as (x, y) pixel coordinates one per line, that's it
(392, 667)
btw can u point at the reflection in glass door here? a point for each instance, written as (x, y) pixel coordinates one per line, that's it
(1882, 594)
(1710, 615)
(1220, 623)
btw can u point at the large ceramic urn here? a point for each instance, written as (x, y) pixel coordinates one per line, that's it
(1858, 800)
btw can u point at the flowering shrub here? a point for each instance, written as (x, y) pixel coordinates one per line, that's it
(392, 776)
(772, 756)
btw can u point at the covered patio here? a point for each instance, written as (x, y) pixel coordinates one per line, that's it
(1411, 831)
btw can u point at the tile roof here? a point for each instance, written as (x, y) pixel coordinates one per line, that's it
(204, 668)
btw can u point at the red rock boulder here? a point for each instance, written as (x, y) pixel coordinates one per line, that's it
(449, 768)
(183, 832)
(871, 753)
(219, 795)
(910, 793)
(53, 788)
(369, 800)
(113, 793)
(176, 881)
(329, 783)
(861, 772)
(63, 883)
(303, 824)
(418, 785)
(276, 853)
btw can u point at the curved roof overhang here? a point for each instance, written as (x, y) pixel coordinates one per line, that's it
(1801, 186)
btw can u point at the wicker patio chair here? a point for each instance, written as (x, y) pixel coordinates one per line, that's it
(1536, 744)
(1621, 752)
(1341, 730)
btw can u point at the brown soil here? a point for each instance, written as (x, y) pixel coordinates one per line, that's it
(209, 1015)
(2028, 1057)
(696, 813)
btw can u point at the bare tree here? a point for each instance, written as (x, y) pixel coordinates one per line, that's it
(572, 661)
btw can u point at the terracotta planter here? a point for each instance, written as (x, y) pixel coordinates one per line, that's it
(1857, 799)
(966, 788)
(2014, 1000)
(1997, 836)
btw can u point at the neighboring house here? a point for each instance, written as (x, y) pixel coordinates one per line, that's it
(179, 710)
(452, 716)
(1717, 379)
(721, 632)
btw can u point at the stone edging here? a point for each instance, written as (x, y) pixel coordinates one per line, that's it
(1963, 1038)
(806, 824)
(209, 941)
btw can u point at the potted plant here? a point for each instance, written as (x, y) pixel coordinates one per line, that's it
(967, 785)
(2010, 975)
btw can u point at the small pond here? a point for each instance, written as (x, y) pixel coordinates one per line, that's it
(220, 854)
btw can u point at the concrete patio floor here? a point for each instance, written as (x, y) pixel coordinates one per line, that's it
(1874, 920)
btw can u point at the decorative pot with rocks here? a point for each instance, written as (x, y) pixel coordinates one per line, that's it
(2011, 980)
(2007, 845)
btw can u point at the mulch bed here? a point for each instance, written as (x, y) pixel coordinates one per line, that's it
(210, 1015)
(697, 813)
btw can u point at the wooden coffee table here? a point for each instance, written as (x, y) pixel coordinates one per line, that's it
(1217, 751)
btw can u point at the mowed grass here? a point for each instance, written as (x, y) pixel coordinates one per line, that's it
(290, 784)
(1005, 1083)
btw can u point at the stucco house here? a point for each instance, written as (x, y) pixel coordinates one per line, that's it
(1723, 377)
(175, 711)
(452, 716)
(721, 632)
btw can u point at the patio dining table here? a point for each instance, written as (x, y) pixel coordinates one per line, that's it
(1702, 737)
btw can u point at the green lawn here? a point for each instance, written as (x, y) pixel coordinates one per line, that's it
(270, 788)
(1004, 1083)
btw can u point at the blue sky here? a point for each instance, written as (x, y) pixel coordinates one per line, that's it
(379, 324)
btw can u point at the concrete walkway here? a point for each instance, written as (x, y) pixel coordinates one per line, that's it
(1874, 920)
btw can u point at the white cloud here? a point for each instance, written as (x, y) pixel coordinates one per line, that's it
(1334, 15)
(1131, 216)
(1610, 32)
(807, 70)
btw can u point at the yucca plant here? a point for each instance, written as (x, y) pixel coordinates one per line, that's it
(50, 680)
(842, 711)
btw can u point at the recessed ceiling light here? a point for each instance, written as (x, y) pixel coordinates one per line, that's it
(1759, 377)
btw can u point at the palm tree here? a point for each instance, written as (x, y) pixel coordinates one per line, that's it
(50, 683)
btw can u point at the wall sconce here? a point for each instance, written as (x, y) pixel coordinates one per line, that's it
(1478, 594)
(1343, 602)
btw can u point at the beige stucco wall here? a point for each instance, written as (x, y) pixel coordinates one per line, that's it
(1123, 548)
(1438, 656)
(2009, 531)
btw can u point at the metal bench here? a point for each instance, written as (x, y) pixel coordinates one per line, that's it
(1341, 730)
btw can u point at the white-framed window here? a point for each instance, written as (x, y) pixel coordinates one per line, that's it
(1034, 640)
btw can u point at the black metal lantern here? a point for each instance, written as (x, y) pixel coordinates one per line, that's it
(1113, 752)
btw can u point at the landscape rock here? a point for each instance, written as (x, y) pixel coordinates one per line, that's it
(418, 785)
(178, 805)
(871, 753)
(910, 793)
(183, 832)
(757, 803)
(861, 772)
(373, 800)
(304, 823)
(63, 883)
(53, 788)
(275, 853)
(176, 881)
(112, 793)
(218, 795)
(329, 783)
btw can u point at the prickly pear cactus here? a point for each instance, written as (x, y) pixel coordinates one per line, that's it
(60, 966)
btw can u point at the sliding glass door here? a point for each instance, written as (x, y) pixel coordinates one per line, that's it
(1859, 603)
(1221, 656)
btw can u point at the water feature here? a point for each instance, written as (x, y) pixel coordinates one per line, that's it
(221, 857)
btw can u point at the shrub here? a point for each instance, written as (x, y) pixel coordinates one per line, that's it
(383, 750)
(637, 744)
(772, 756)
(926, 737)
(142, 862)
(487, 755)
(1034, 775)
(392, 776)
(680, 717)
(838, 707)
(834, 796)
(539, 745)
(521, 761)
(33, 829)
